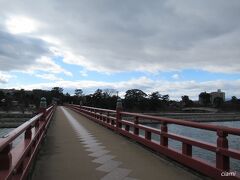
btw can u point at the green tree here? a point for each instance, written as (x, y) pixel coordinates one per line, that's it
(2, 95)
(57, 90)
(57, 94)
(155, 95)
(136, 99)
(67, 98)
(234, 99)
(165, 98)
(155, 100)
(78, 92)
(23, 100)
(186, 101)
(135, 94)
(97, 98)
(110, 92)
(7, 102)
(78, 96)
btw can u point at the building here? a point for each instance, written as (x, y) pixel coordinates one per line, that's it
(218, 94)
(204, 98)
(208, 98)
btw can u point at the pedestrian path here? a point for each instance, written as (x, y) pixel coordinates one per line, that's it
(77, 148)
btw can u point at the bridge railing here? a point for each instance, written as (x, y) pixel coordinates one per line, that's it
(106, 117)
(117, 121)
(19, 147)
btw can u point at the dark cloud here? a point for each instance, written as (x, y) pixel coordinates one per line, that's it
(18, 52)
(138, 35)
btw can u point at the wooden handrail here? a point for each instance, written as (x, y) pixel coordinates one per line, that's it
(15, 161)
(221, 149)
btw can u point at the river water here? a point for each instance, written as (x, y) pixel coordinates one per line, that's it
(204, 135)
(5, 131)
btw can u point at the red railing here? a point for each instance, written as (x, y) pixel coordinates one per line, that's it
(15, 160)
(220, 170)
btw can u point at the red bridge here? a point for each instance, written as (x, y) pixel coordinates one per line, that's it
(91, 143)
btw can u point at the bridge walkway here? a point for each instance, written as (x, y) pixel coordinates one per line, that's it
(76, 148)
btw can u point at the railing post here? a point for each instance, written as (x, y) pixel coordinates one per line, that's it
(90, 112)
(108, 117)
(187, 149)
(112, 122)
(6, 158)
(164, 130)
(127, 127)
(136, 130)
(104, 119)
(19, 170)
(148, 135)
(95, 113)
(28, 133)
(36, 124)
(80, 106)
(118, 114)
(222, 161)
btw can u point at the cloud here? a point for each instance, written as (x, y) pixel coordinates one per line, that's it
(114, 36)
(84, 73)
(4, 77)
(18, 52)
(50, 77)
(48, 65)
(20, 24)
(135, 35)
(175, 89)
(26, 54)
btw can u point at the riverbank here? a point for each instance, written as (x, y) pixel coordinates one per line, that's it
(196, 117)
(14, 119)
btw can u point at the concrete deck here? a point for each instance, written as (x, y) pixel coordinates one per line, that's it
(77, 148)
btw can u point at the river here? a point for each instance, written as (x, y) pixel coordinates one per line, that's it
(204, 135)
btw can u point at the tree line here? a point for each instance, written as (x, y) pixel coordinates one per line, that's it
(134, 100)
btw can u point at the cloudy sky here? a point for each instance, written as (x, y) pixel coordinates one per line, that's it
(168, 46)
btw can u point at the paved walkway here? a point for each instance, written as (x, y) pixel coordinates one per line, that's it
(77, 148)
